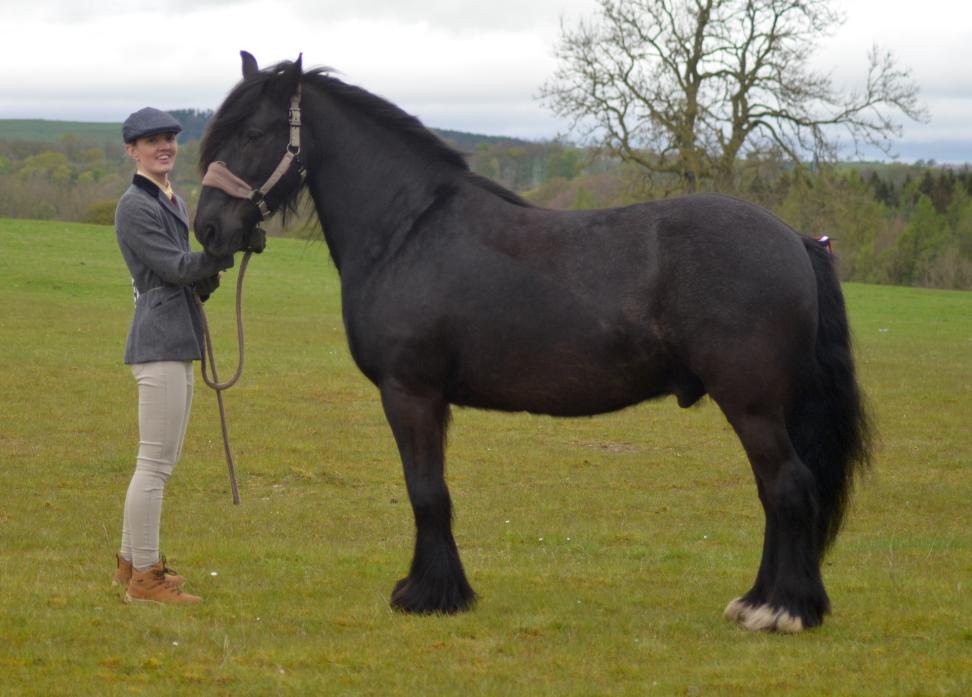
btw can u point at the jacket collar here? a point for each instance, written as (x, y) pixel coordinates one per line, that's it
(149, 187)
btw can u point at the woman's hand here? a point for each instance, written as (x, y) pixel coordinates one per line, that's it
(206, 287)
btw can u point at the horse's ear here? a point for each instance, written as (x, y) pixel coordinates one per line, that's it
(250, 66)
(292, 75)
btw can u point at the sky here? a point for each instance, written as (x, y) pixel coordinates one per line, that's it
(456, 64)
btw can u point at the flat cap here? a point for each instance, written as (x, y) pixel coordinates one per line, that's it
(148, 122)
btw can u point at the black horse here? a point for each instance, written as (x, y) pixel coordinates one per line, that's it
(457, 292)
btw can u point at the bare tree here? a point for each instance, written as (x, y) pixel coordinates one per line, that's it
(688, 87)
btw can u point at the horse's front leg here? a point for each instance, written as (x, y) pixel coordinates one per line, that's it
(436, 581)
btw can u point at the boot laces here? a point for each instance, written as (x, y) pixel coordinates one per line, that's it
(166, 569)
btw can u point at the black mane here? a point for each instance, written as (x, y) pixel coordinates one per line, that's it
(245, 96)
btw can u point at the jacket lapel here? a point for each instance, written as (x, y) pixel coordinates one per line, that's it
(178, 209)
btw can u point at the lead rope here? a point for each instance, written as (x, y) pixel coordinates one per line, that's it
(214, 382)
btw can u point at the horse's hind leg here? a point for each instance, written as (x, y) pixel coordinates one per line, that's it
(436, 581)
(788, 594)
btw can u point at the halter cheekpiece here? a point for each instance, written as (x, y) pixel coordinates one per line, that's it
(219, 176)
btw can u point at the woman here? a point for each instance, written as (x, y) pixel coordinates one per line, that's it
(152, 226)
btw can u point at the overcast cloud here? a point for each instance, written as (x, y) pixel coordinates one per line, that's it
(470, 66)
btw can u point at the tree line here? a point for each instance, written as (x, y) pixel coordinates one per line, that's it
(894, 223)
(908, 224)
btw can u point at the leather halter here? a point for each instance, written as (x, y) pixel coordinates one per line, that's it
(219, 176)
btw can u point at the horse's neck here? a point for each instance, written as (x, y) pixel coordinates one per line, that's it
(368, 192)
(364, 221)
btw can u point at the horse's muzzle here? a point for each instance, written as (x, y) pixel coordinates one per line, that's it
(256, 240)
(206, 235)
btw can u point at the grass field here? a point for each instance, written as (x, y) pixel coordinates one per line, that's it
(43, 131)
(604, 549)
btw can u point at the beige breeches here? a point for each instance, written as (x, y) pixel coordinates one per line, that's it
(164, 399)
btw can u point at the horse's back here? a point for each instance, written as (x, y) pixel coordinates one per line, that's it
(682, 268)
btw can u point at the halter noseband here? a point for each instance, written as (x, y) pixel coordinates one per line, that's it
(219, 176)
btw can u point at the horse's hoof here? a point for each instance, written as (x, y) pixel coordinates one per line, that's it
(403, 600)
(408, 598)
(736, 609)
(763, 618)
(788, 624)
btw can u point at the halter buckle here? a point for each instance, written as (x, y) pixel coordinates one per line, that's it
(257, 199)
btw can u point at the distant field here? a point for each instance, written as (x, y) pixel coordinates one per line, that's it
(42, 131)
(604, 549)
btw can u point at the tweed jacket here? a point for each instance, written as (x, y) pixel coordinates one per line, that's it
(153, 234)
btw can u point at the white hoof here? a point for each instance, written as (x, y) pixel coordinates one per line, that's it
(768, 619)
(788, 624)
(736, 610)
(759, 619)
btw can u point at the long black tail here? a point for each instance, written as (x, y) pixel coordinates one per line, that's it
(829, 426)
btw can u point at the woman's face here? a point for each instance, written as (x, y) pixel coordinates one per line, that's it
(155, 155)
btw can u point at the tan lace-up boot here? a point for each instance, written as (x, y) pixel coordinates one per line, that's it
(123, 573)
(152, 586)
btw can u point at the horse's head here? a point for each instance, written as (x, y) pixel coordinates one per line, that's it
(250, 156)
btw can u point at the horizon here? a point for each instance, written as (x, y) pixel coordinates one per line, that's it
(943, 153)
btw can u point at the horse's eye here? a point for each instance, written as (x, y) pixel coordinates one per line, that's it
(254, 134)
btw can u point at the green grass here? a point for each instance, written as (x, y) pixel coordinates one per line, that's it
(603, 549)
